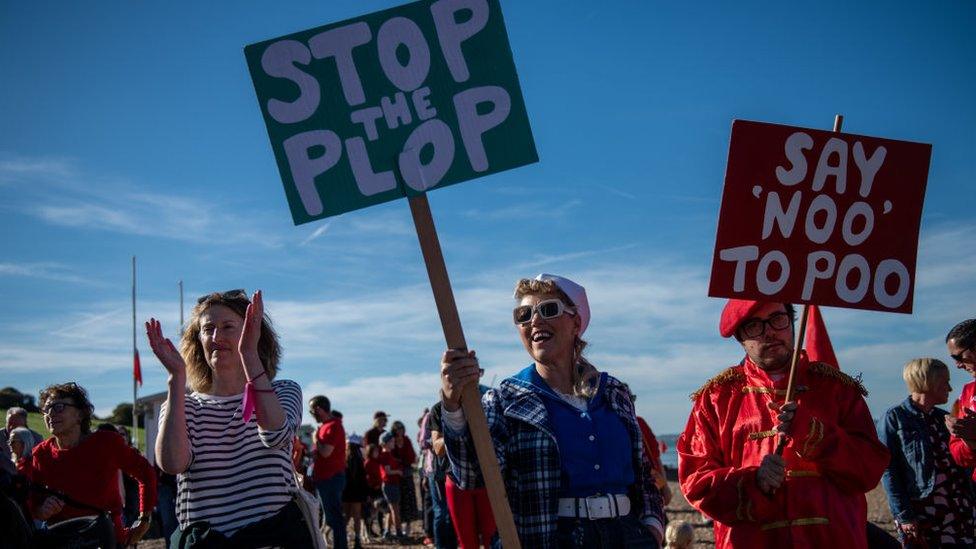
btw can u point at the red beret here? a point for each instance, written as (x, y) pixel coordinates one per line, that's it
(735, 311)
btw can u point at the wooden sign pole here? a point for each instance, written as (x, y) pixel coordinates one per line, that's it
(801, 333)
(471, 397)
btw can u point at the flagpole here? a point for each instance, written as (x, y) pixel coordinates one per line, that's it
(134, 351)
(801, 333)
(181, 307)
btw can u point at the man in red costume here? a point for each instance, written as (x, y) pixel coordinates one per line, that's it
(961, 343)
(812, 496)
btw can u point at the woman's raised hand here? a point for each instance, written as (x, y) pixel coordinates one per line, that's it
(164, 349)
(459, 368)
(251, 334)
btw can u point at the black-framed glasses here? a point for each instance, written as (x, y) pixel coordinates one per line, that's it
(239, 293)
(757, 327)
(56, 407)
(548, 308)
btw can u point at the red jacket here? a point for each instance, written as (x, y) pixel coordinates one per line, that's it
(832, 460)
(961, 452)
(89, 473)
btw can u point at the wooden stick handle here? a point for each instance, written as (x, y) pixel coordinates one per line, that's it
(801, 333)
(471, 397)
(797, 349)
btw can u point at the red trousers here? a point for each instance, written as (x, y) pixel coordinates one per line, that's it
(471, 515)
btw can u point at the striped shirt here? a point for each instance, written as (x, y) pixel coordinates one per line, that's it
(238, 473)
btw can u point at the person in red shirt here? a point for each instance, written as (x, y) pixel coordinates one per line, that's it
(961, 344)
(374, 480)
(329, 465)
(374, 469)
(391, 472)
(405, 454)
(813, 494)
(85, 465)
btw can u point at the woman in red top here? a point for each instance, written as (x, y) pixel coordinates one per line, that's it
(85, 466)
(392, 474)
(374, 481)
(404, 453)
(374, 470)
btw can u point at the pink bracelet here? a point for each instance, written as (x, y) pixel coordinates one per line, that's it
(250, 398)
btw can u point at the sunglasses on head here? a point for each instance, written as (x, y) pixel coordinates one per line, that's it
(239, 293)
(549, 308)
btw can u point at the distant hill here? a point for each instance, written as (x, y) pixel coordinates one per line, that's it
(34, 420)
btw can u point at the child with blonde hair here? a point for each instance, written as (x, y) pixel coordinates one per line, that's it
(680, 535)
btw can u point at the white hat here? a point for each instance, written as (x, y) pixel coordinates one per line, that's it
(576, 294)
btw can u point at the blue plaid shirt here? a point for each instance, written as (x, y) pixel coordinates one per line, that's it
(528, 455)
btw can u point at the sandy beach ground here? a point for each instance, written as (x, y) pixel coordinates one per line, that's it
(678, 509)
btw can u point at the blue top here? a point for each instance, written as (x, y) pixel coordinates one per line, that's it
(530, 461)
(594, 446)
(912, 470)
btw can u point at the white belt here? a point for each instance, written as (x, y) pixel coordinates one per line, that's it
(595, 507)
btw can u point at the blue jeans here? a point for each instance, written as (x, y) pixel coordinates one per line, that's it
(330, 491)
(167, 510)
(603, 534)
(444, 537)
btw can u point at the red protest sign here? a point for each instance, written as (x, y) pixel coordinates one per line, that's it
(811, 216)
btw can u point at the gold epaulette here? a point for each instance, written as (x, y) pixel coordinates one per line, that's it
(826, 370)
(731, 374)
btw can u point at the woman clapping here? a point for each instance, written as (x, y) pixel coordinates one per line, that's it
(229, 440)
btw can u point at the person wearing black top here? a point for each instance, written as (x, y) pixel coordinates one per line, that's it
(444, 536)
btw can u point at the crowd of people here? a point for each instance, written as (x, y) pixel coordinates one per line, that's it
(579, 467)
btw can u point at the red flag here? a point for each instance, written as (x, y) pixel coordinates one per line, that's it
(817, 342)
(137, 368)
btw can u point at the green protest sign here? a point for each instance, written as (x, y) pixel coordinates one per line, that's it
(391, 104)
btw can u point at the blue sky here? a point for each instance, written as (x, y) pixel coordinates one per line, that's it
(133, 129)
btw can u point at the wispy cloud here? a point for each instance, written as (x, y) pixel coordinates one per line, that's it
(45, 270)
(316, 233)
(652, 326)
(543, 260)
(940, 262)
(536, 210)
(162, 216)
(617, 192)
(58, 193)
(14, 168)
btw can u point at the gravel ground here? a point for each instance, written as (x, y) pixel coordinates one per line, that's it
(679, 509)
